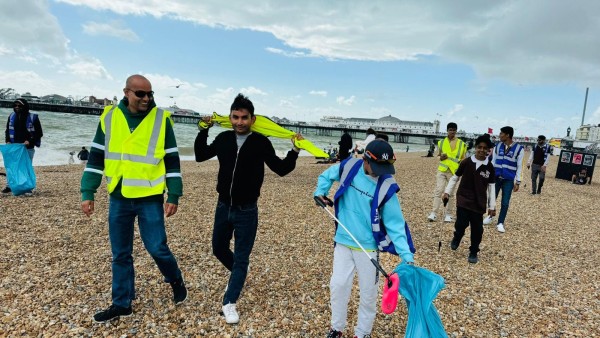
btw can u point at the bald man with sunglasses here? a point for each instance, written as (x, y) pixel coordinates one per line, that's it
(135, 148)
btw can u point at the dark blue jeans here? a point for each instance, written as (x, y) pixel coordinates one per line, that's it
(240, 222)
(121, 217)
(507, 187)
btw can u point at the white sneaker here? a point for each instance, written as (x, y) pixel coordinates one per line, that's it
(488, 220)
(431, 217)
(230, 313)
(500, 227)
(448, 218)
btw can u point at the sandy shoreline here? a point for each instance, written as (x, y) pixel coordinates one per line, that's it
(540, 278)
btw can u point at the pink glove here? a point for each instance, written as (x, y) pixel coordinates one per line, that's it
(389, 299)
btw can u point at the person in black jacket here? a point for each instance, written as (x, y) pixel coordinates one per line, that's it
(83, 155)
(242, 155)
(345, 145)
(23, 127)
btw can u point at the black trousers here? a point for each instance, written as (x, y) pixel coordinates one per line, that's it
(464, 218)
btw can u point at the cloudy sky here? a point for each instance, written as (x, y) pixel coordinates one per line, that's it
(479, 63)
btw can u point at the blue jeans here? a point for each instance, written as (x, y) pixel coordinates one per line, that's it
(507, 188)
(151, 222)
(240, 222)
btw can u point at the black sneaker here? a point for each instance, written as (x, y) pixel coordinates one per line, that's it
(179, 291)
(113, 312)
(454, 244)
(6, 190)
(334, 334)
(473, 258)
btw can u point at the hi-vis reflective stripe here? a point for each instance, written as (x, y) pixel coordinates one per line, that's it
(173, 175)
(97, 146)
(149, 157)
(136, 182)
(385, 185)
(92, 170)
(509, 166)
(457, 159)
(376, 226)
(348, 166)
(171, 150)
(453, 159)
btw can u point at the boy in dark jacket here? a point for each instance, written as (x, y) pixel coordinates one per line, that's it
(475, 194)
(242, 156)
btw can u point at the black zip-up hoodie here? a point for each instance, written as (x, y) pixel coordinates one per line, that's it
(246, 169)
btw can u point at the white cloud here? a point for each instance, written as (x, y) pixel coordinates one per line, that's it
(252, 91)
(522, 41)
(30, 81)
(28, 58)
(287, 104)
(322, 93)
(595, 117)
(5, 50)
(345, 101)
(28, 25)
(89, 69)
(114, 28)
(455, 109)
(292, 54)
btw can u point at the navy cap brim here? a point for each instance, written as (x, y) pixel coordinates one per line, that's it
(382, 168)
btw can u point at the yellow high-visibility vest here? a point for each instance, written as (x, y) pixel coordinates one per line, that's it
(454, 156)
(135, 157)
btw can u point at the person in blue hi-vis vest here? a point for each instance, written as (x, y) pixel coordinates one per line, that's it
(24, 127)
(363, 184)
(507, 159)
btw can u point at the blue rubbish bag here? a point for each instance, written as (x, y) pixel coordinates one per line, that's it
(419, 287)
(19, 170)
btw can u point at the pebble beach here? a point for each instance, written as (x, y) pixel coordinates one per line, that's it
(539, 279)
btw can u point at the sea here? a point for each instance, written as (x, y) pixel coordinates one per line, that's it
(65, 133)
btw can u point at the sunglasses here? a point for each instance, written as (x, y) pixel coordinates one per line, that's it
(141, 94)
(371, 156)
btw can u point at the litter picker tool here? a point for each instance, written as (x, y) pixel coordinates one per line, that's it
(445, 200)
(390, 290)
(373, 260)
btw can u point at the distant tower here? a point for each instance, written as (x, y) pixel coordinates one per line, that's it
(568, 131)
(584, 105)
(436, 126)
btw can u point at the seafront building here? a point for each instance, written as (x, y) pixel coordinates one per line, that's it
(386, 123)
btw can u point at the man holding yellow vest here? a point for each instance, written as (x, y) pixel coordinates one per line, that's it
(451, 150)
(135, 148)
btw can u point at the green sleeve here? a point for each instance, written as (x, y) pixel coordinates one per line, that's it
(172, 166)
(93, 172)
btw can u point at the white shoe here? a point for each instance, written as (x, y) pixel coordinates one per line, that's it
(431, 217)
(488, 220)
(230, 313)
(448, 218)
(500, 227)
